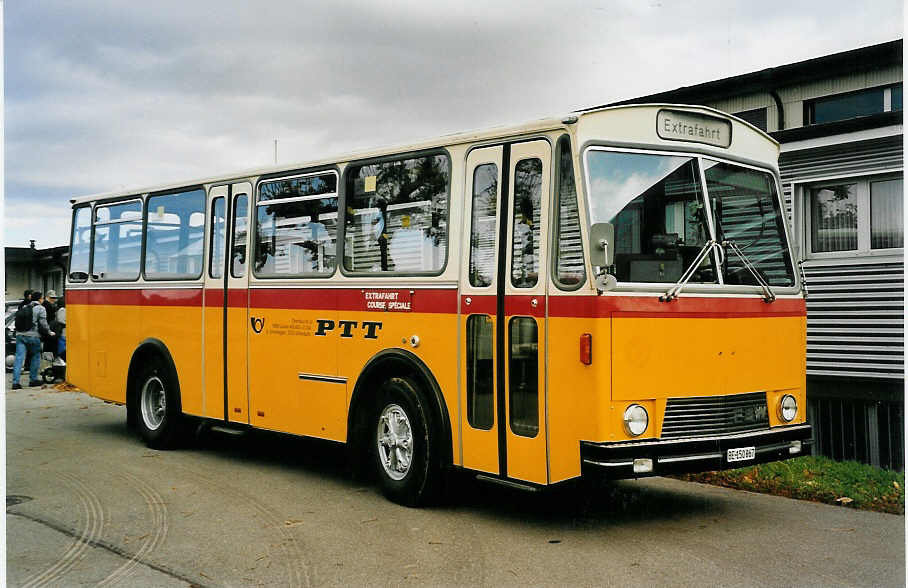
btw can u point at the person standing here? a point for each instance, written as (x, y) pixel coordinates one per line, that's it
(50, 308)
(29, 326)
(60, 328)
(26, 298)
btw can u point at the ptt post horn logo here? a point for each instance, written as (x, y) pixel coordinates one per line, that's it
(257, 324)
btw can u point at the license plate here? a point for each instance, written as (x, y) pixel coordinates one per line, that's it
(741, 454)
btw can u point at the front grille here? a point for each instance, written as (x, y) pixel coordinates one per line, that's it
(714, 415)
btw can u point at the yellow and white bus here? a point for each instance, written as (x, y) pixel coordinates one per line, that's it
(611, 293)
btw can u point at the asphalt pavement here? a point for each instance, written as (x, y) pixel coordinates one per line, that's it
(89, 504)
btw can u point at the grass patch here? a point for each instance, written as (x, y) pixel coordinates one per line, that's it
(819, 479)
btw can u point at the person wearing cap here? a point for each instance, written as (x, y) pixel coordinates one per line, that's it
(50, 305)
(49, 342)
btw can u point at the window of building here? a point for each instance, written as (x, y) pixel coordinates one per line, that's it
(855, 216)
(175, 235)
(853, 104)
(756, 117)
(397, 216)
(296, 227)
(117, 243)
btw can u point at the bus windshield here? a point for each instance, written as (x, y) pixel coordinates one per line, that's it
(657, 206)
(745, 209)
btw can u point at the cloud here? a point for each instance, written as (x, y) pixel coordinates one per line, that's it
(102, 95)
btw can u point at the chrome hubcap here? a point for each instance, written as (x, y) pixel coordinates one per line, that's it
(395, 442)
(154, 403)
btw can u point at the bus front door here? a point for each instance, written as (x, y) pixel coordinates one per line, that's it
(503, 301)
(226, 304)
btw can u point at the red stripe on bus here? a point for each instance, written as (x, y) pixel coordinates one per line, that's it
(442, 301)
(523, 305)
(137, 297)
(651, 307)
(236, 297)
(484, 304)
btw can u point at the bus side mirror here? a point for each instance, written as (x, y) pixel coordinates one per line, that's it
(602, 244)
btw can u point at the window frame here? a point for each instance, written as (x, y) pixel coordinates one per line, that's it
(253, 221)
(810, 103)
(113, 202)
(204, 261)
(91, 239)
(342, 231)
(862, 183)
(555, 212)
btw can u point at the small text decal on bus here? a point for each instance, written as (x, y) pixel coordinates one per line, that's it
(388, 300)
(676, 125)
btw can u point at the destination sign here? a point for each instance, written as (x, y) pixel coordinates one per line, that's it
(677, 125)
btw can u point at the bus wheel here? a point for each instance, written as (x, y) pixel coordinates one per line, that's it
(158, 408)
(405, 449)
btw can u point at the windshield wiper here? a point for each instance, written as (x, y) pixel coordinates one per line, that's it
(688, 273)
(768, 294)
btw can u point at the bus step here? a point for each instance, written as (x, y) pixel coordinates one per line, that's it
(508, 483)
(228, 430)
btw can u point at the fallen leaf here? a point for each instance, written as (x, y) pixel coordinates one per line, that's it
(369, 521)
(896, 484)
(292, 522)
(844, 500)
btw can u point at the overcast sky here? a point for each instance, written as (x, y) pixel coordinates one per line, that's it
(107, 95)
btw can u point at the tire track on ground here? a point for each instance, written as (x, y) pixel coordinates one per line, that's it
(93, 526)
(158, 510)
(298, 573)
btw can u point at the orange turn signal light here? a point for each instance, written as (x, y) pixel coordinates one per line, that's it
(586, 349)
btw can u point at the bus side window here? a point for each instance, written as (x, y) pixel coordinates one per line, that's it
(175, 235)
(480, 372)
(240, 224)
(397, 215)
(569, 270)
(117, 243)
(80, 247)
(525, 246)
(482, 225)
(296, 227)
(523, 376)
(218, 230)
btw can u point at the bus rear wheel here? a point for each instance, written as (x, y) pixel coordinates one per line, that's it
(405, 446)
(158, 407)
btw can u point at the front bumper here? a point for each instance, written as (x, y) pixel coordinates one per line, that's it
(678, 456)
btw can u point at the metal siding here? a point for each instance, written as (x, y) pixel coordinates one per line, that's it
(855, 309)
(860, 157)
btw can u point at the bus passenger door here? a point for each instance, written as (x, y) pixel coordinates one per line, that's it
(237, 304)
(213, 301)
(226, 304)
(503, 311)
(479, 311)
(522, 279)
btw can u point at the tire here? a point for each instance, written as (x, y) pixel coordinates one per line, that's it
(404, 438)
(157, 413)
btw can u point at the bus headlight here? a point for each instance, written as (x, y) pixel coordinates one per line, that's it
(635, 420)
(788, 408)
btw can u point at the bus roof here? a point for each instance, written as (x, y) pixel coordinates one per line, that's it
(479, 136)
